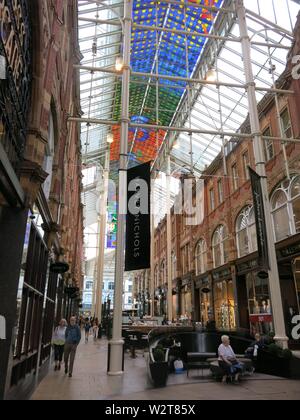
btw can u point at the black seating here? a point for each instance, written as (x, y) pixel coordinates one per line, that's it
(198, 361)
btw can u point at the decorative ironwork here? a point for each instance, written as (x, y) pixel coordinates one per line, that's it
(15, 46)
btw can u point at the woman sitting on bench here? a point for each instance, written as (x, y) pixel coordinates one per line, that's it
(228, 361)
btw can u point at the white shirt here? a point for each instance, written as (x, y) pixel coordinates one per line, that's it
(59, 336)
(226, 352)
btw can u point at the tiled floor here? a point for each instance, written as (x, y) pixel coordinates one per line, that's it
(90, 382)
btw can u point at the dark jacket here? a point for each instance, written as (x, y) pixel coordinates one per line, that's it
(73, 334)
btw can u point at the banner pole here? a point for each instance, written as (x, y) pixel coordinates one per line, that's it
(115, 367)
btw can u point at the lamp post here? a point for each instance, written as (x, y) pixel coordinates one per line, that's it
(274, 281)
(115, 365)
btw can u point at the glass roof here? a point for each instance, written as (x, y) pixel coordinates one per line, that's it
(156, 50)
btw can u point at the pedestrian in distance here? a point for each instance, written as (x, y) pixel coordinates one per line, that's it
(73, 338)
(87, 329)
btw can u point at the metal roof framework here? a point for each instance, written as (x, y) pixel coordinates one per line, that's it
(174, 109)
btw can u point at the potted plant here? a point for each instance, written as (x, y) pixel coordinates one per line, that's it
(159, 366)
(273, 360)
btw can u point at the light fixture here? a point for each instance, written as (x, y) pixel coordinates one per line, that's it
(211, 75)
(176, 145)
(119, 64)
(2, 67)
(110, 138)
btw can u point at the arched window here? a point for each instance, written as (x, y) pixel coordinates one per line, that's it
(285, 205)
(49, 156)
(174, 265)
(246, 232)
(295, 201)
(219, 246)
(201, 257)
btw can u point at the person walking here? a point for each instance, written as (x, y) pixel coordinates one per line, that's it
(87, 328)
(73, 338)
(95, 330)
(58, 340)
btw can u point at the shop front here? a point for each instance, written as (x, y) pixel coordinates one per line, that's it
(224, 299)
(254, 302)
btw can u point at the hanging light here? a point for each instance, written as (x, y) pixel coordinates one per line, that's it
(211, 75)
(119, 64)
(176, 145)
(110, 138)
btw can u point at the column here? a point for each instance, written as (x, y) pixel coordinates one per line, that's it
(116, 344)
(274, 282)
(169, 243)
(102, 237)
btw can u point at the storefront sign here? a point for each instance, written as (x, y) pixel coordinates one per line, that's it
(289, 251)
(138, 235)
(247, 266)
(261, 230)
(261, 318)
(222, 275)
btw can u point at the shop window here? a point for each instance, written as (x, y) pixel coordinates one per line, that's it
(235, 177)
(219, 246)
(268, 145)
(295, 201)
(201, 257)
(259, 305)
(156, 277)
(224, 305)
(246, 163)
(174, 264)
(246, 232)
(220, 191)
(285, 203)
(205, 307)
(280, 215)
(163, 276)
(286, 124)
(185, 253)
(212, 199)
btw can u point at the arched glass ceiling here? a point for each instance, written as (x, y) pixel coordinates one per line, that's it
(175, 102)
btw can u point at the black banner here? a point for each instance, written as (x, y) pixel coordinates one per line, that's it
(261, 229)
(138, 232)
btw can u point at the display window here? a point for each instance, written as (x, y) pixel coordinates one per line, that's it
(224, 305)
(205, 299)
(260, 313)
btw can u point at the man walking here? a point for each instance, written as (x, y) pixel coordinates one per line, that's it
(73, 337)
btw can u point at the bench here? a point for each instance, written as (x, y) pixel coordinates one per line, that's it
(198, 361)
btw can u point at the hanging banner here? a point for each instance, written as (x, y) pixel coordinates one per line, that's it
(261, 230)
(138, 234)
